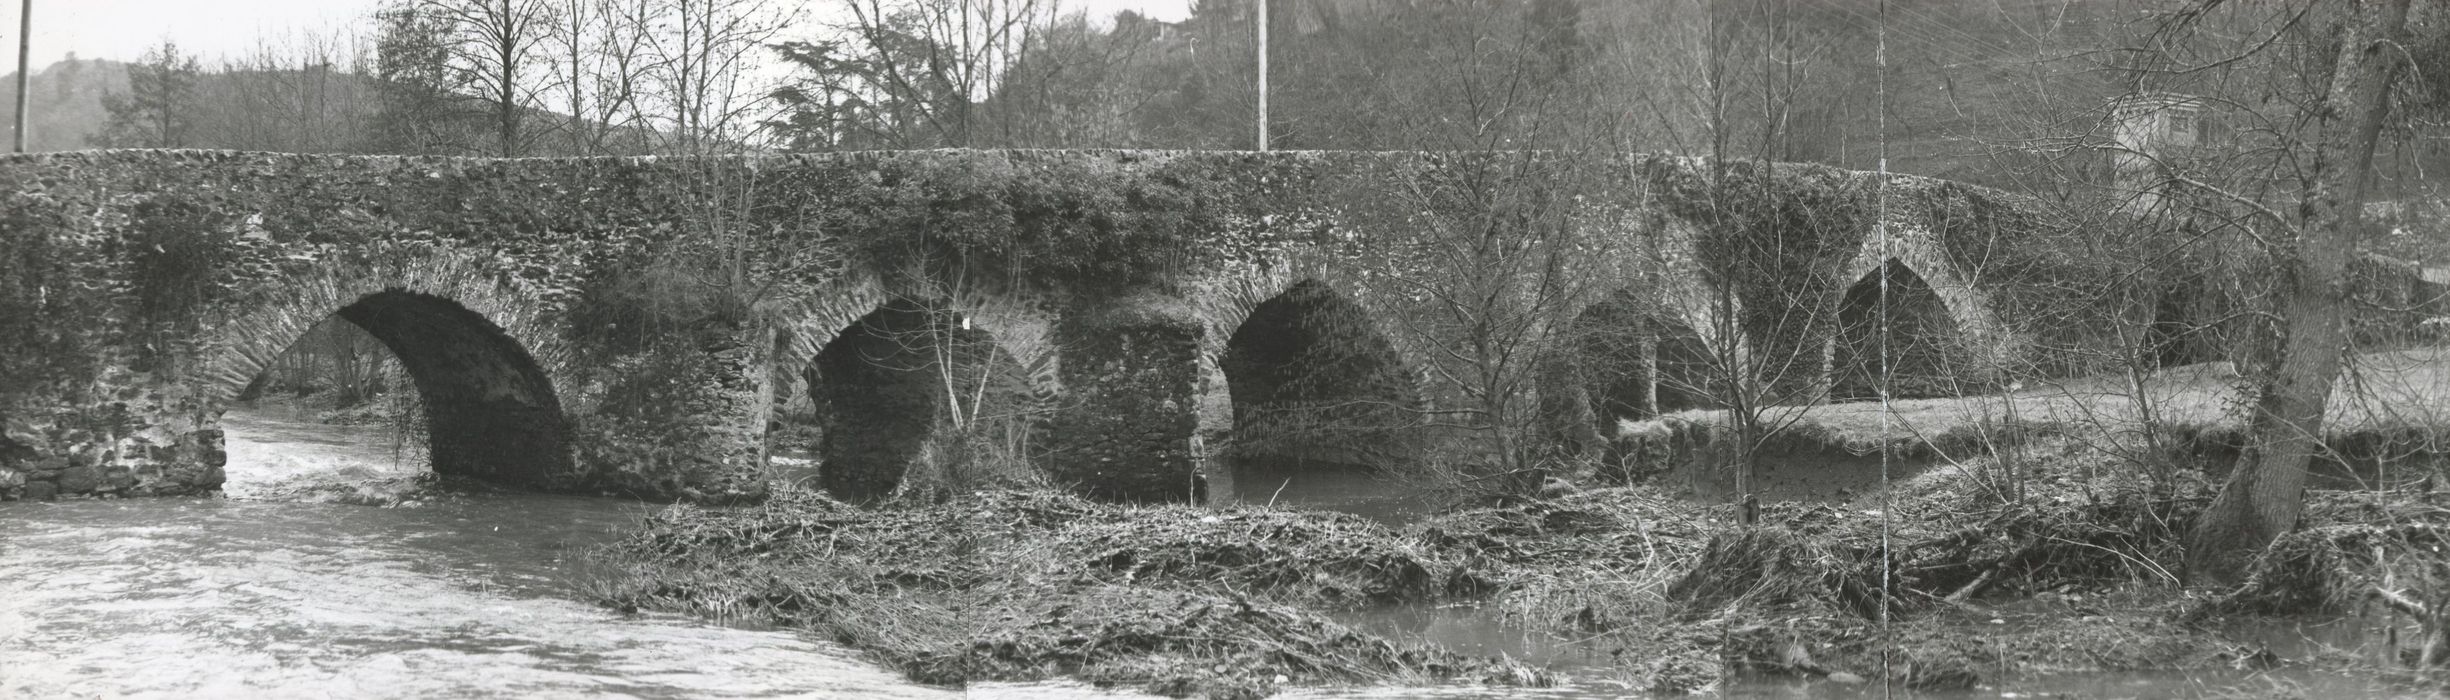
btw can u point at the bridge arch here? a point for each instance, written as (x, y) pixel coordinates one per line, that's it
(1652, 346)
(1637, 356)
(953, 387)
(1313, 378)
(1934, 332)
(1298, 374)
(475, 350)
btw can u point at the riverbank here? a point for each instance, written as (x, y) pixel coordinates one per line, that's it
(1649, 592)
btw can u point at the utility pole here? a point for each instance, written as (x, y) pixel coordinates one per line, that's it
(25, 71)
(1262, 72)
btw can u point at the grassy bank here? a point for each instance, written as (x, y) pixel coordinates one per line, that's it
(1655, 593)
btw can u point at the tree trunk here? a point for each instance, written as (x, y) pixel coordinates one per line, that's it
(1650, 375)
(2266, 491)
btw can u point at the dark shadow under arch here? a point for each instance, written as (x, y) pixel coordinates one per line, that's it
(1313, 380)
(883, 393)
(490, 411)
(1639, 362)
(1924, 345)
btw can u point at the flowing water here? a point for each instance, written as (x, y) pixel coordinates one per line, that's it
(466, 595)
(456, 596)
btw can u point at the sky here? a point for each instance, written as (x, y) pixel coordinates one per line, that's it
(217, 29)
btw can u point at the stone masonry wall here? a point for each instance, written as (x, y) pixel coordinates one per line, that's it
(619, 325)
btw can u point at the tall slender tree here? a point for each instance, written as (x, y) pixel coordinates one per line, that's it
(2266, 492)
(496, 50)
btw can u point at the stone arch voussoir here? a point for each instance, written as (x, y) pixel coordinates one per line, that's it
(1021, 325)
(815, 320)
(1913, 244)
(482, 353)
(1024, 328)
(1223, 304)
(1224, 300)
(243, 341)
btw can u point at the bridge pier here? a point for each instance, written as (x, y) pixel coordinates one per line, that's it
(682, 418)
(1125, 427)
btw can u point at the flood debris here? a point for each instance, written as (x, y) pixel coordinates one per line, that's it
(1031, 585)
(1941, 583)
(2374, 555)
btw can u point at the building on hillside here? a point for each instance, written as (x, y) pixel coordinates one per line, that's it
(2148, 130)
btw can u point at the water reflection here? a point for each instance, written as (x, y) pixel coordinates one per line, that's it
(1323, 485)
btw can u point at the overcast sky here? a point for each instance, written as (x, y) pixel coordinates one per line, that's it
(214, 29)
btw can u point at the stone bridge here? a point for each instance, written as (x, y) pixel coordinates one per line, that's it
(1121, 323)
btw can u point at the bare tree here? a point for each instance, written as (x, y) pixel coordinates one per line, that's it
(2313, 248)
(296, 95)
(495, 48)
(1501, 261)
(597, 52)
(695, 81)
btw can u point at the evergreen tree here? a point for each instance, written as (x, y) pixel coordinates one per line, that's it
(419, 109)
(158, 109)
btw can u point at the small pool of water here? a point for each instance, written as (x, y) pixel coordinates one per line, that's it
(1332, 486)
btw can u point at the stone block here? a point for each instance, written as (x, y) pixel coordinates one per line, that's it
(79, 479)
(207, 445)
(23, 432)
(117, 478)
(41, 491)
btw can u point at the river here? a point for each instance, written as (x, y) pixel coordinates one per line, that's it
(458, 596)
(477, 595)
